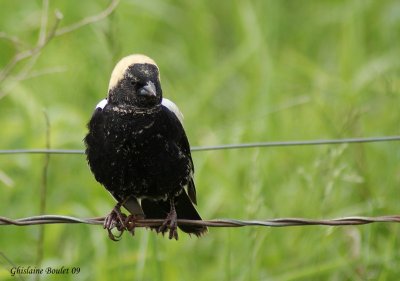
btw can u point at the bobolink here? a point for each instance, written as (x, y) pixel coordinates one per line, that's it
(137, 148)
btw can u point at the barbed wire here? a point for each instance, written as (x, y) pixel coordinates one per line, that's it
(225, 146)
(279, 222)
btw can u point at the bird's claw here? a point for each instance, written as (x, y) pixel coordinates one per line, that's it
(171, 222)
(116, 219)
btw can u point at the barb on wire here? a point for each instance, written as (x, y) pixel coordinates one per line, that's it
(279, 222)
(224, 146)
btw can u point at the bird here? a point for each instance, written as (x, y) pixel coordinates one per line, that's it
(137, 148)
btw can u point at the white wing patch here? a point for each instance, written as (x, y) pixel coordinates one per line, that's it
(173, 108)
(102, 104)
(165, 102)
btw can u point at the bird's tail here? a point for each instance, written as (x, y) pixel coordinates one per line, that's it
(184, 210)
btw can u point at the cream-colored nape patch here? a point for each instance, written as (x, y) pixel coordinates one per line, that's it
(119, 70)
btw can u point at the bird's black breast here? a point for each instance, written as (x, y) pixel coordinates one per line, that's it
(141, 154)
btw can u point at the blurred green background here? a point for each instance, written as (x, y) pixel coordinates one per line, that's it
(240, 71)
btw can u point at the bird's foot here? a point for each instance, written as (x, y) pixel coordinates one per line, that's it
(116, 219)
(171, 222)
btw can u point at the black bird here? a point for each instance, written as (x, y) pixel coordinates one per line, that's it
(137, 149)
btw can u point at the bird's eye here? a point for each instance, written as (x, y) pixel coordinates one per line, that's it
(133, 83)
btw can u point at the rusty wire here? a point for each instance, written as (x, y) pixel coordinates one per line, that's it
(279, 222)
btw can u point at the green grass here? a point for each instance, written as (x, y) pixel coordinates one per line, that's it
(240, 71)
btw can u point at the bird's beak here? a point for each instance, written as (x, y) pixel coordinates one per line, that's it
(148, 90)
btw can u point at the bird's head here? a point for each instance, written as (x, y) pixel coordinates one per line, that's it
(135, 81)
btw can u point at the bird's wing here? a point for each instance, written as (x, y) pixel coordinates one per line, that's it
(183, 143)
(191, 189)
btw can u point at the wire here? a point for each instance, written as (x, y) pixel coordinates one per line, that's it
(225, 146)
(280, 222)
(41, 151)
(297, 143)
